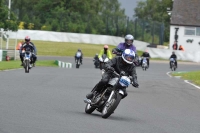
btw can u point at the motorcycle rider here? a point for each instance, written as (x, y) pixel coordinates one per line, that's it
(79, 54)
(105, 51)
(28, 45)
(147, 55)
(128, 44)
(96, 60)
(175, 58)
(118, 64)
(96, 57)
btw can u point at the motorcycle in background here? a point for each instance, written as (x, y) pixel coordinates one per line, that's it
(96, 61)
(78, 59)
(144, 63)
(107, 100)
(27, 60)
(172, 63)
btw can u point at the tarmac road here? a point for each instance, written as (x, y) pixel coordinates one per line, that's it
(50, 100)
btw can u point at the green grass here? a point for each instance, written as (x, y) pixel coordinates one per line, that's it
(16, 64)
(193, 76)
(64, 48)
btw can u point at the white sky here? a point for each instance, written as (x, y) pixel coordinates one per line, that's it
(129, 6)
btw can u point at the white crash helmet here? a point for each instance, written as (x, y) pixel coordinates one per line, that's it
(128, 56)
(129, 39)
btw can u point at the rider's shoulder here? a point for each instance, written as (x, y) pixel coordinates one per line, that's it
(121, 43)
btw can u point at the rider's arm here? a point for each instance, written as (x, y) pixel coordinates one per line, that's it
(149, 56)
(34, 48)
(110, 63)
(21, 48)
(115, 50)
(133, 73)
(142, 55)
(109, 54)
(100, 54)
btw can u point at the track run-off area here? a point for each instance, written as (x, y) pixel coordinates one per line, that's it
(50, 100)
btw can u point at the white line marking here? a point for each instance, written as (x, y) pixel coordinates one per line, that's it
(186, 81)
(168, 73)
(10, 69)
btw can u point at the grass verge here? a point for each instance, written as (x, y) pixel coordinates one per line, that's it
(191, 76)
(4, 65)
(64, 48)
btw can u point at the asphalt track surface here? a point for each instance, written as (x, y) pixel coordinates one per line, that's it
(50, 100)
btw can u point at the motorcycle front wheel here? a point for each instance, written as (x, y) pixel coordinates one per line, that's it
(89, 109)
(110, 107)
(27, 66)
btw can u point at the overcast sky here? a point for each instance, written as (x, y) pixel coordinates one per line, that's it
(129, 5)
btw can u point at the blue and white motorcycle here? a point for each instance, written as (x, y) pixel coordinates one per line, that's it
(27, 60)
(109, 98)
(78, 59)
(172, 64)
(144, 63)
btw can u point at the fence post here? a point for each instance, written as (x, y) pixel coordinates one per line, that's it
(127, 24)
(153, 33)
(161, 40)
(142, 30)
(135, 28)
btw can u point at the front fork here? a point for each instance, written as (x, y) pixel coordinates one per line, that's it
(113, 92)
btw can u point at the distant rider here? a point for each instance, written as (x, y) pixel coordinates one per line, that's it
(147, 55)
(79, 54)
(118, 64)
(128, 44)
(96, 57)
(28, 45)
(175, 58)
(105, 51)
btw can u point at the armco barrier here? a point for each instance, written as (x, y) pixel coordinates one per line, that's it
(63, 64)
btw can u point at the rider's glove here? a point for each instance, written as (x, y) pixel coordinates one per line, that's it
(135, 83)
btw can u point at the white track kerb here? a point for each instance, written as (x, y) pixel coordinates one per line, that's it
(186, 81)
(63, 64)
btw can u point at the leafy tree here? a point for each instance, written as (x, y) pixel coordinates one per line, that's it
(81, 16)
(155, 10)
(5, 22)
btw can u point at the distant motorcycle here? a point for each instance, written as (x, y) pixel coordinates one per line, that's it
(27, 60)
(144, 63)
(172, 63)
(103, 60)
(96, 63)
(109, 98)
(78, 59)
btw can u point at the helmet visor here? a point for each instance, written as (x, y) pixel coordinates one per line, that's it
(129, 42)
(129, 58)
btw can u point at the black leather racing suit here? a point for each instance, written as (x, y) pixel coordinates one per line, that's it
(119, 65)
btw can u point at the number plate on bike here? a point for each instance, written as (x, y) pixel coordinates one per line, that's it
(124, 81)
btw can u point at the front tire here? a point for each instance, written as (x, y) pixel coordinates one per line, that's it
(89, 109)
(27, 66)
(109, 108)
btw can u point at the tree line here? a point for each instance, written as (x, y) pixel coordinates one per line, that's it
(80, 16)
